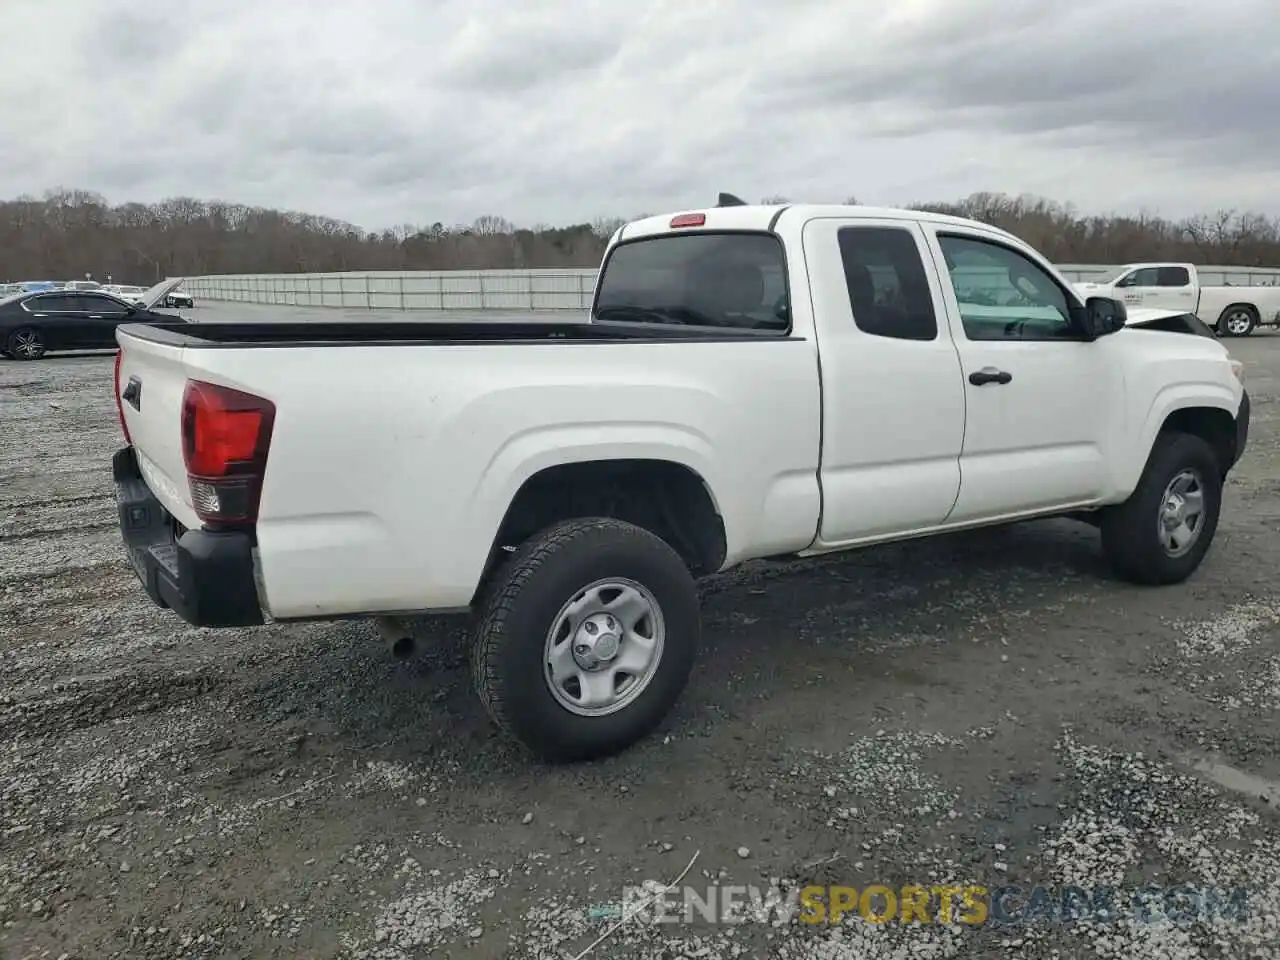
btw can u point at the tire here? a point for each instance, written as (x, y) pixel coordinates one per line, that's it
(25, 344)
(1132, 531)
(1238, 320)
(511, 652)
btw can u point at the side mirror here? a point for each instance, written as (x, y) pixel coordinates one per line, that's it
(1103, 315)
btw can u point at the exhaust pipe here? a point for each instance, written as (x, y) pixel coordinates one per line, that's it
(396, 636)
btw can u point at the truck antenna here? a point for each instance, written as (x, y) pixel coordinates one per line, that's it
(729, 200)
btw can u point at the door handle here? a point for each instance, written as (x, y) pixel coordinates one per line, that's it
(95, 316)
(989, 375)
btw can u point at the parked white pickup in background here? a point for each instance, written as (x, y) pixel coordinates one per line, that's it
(1232, 311)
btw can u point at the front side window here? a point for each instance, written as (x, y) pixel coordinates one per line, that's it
(717, 280)
(1145, 277)
(1005, 295)
(93, 303)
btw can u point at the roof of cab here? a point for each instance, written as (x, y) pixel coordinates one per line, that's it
(766, 216)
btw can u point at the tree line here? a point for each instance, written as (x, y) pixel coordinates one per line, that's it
(69, 233)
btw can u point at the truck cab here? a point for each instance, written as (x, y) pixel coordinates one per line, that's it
(962, 383)
(1166, 286)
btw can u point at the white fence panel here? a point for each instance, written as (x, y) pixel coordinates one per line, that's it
(514, 290)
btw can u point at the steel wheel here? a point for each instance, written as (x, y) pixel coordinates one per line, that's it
(1162, 532)
(1181, 518)
(586, 638)
(604, 647)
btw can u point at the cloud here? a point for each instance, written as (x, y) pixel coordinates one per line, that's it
(423, 110)
(509, 54)
(1143, 73)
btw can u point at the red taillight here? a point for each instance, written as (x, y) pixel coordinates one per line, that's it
(688, 220)
(124, 427)
(225, 436)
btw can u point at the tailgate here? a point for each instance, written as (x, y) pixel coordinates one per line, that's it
(153, 377)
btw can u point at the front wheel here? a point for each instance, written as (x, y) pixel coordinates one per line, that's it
(25, 344)
(1163, 531)
(586, 639)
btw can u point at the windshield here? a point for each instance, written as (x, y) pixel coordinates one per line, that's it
(733, 280)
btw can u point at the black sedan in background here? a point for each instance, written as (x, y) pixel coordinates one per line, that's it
(32, 324)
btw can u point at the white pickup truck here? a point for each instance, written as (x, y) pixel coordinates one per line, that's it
(752, 382)
(1231, 311)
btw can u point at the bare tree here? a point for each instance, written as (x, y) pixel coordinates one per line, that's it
(489, 225)
(68, 233)
(606, 227)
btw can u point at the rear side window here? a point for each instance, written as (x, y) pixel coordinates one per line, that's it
(735, 280)
(888, 289)
(1173, 277)
(49, 303)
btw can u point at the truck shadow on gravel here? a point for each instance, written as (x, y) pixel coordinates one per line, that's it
(776, 636)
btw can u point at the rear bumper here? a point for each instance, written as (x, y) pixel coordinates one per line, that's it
(205, 577)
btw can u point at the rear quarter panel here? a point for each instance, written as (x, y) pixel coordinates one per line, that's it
(392, 467)
(1214, 300)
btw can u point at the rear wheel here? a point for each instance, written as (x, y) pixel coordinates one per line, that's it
(586, 639)
(1163, 531)
(25, 344)
(1237, 320)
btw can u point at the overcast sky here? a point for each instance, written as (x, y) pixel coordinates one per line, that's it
(395, 111)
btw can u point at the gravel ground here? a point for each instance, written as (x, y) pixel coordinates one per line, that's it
(980, 709)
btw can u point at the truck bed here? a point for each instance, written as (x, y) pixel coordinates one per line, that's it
(422, 333)
(401, 456)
